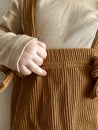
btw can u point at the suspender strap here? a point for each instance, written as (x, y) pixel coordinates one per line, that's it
(95, 41)
(29, 17)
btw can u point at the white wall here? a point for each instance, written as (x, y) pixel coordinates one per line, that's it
(6, 95)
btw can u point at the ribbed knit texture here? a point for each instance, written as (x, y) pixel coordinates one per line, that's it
(29, 17)
(59, 101)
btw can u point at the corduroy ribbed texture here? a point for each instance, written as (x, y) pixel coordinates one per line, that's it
(29, 17)
(59, 101)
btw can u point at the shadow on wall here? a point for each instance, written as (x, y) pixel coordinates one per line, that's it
(6, 95)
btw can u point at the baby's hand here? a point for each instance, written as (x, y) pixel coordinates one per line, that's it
(32, 58)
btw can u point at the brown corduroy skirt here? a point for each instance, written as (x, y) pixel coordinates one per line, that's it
(59, 101)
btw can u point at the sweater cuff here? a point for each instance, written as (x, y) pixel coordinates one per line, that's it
(20, 45)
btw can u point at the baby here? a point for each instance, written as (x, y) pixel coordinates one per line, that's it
(50, 43)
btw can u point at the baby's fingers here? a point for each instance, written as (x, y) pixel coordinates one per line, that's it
(24, 70)
(42, 52)
(36, 69)
(41, 44)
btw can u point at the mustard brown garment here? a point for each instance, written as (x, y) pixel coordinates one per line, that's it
(61, 100)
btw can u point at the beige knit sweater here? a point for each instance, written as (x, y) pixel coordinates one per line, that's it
(59, 23)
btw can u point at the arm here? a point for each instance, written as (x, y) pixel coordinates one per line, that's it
(12, 41)
(18, 51)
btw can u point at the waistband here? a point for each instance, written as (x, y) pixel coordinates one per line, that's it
(75, 57)
(69, 57)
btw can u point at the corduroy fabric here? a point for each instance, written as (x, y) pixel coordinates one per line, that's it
(29, 17)
(59, 101)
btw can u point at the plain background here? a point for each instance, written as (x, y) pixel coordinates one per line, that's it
(6, 95)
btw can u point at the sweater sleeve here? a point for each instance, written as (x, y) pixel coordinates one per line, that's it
(12, 41)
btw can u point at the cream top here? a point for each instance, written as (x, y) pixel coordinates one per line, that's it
(67, 23)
